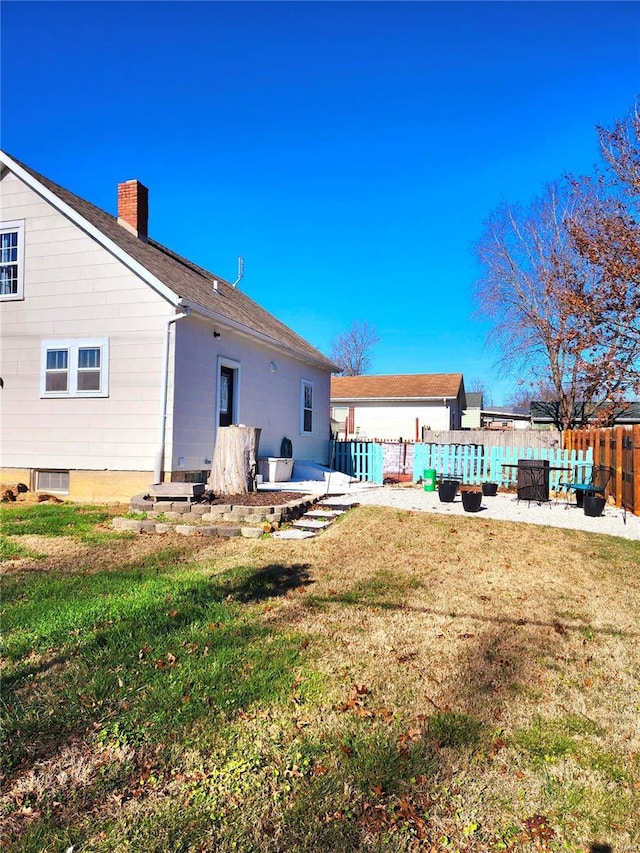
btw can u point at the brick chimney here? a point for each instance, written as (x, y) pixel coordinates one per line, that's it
(133, 207)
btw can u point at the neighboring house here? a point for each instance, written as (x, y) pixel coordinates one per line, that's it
(544, 415)
(471, 416)
(394, 407)
(120, 359)
(505, 417)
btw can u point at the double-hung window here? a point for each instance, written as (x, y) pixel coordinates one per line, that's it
(75, 368)
(11, 260)
(306, 407)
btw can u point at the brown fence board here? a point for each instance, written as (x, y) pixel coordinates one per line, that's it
(616, 450)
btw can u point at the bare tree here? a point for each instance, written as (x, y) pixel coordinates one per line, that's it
(561, 282)
(477, 385)
(527, 392)
(531, 271)
(620, 149)
(352, 350)
(606, 232)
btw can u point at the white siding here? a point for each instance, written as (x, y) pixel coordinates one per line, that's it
(73, 288)
(471, 418)
(398, 420)
(267, 399)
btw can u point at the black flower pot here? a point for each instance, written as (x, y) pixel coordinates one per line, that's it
(490, 489)
(447, 490)
(471, 501)
(593, 505)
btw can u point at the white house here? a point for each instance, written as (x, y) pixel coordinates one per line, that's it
(392, 407)
(119, 359)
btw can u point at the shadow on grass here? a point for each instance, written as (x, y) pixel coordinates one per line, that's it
(141, 648)
(360, 598)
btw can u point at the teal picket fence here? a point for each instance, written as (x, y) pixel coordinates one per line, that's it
(477, 463)
(361, 459)
(464, 462)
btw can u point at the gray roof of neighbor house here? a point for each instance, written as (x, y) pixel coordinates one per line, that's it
(506, 411)
(547, 412)
(186, 280)
(414, 386)
(474, 399)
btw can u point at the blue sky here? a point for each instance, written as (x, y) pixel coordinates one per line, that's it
(350, 152)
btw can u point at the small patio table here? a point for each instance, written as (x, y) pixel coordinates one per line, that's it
(538, 488)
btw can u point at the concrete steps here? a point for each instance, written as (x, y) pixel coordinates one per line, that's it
(317, 519)
(305, 523)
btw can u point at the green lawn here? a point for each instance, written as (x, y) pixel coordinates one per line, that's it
(399, 683)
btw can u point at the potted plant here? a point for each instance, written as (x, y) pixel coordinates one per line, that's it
(447, 490)
(593, 505)
(471, 498)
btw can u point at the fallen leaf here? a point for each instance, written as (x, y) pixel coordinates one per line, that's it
(364, 712)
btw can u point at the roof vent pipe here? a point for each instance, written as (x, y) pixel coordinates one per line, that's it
(240, 271)
(215, 284)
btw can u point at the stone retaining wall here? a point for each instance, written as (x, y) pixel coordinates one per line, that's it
(202, 519)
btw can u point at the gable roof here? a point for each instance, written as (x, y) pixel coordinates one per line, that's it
(412, 386)
(178, 280)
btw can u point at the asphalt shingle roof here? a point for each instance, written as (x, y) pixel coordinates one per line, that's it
(186, 279)
(402, 386)
(543, 412)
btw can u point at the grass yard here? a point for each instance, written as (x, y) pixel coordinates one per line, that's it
(403, 682)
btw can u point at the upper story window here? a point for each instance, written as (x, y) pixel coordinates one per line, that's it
(11, 260)
(306, 407)
(75, 368)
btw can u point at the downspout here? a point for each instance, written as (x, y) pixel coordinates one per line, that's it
(157, 469)
(446, 405)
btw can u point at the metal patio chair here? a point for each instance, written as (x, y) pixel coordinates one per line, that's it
(580, 484)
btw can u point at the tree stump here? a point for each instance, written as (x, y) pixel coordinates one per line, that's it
(234, 467)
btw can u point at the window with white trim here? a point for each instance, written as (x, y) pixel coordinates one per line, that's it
(306, 407)
(75, 368)
(11, 260)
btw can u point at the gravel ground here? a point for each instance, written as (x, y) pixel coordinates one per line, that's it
(503, 506)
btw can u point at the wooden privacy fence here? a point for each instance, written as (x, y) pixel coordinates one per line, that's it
(475, 464)
(538, 439)
(616, 451)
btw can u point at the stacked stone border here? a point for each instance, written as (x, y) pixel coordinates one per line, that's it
(203, 519)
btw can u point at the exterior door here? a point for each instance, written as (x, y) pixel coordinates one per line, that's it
(227, 391)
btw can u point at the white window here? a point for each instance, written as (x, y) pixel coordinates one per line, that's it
(75, 368)
(11, 260)
(52, 481)
(306, 407)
